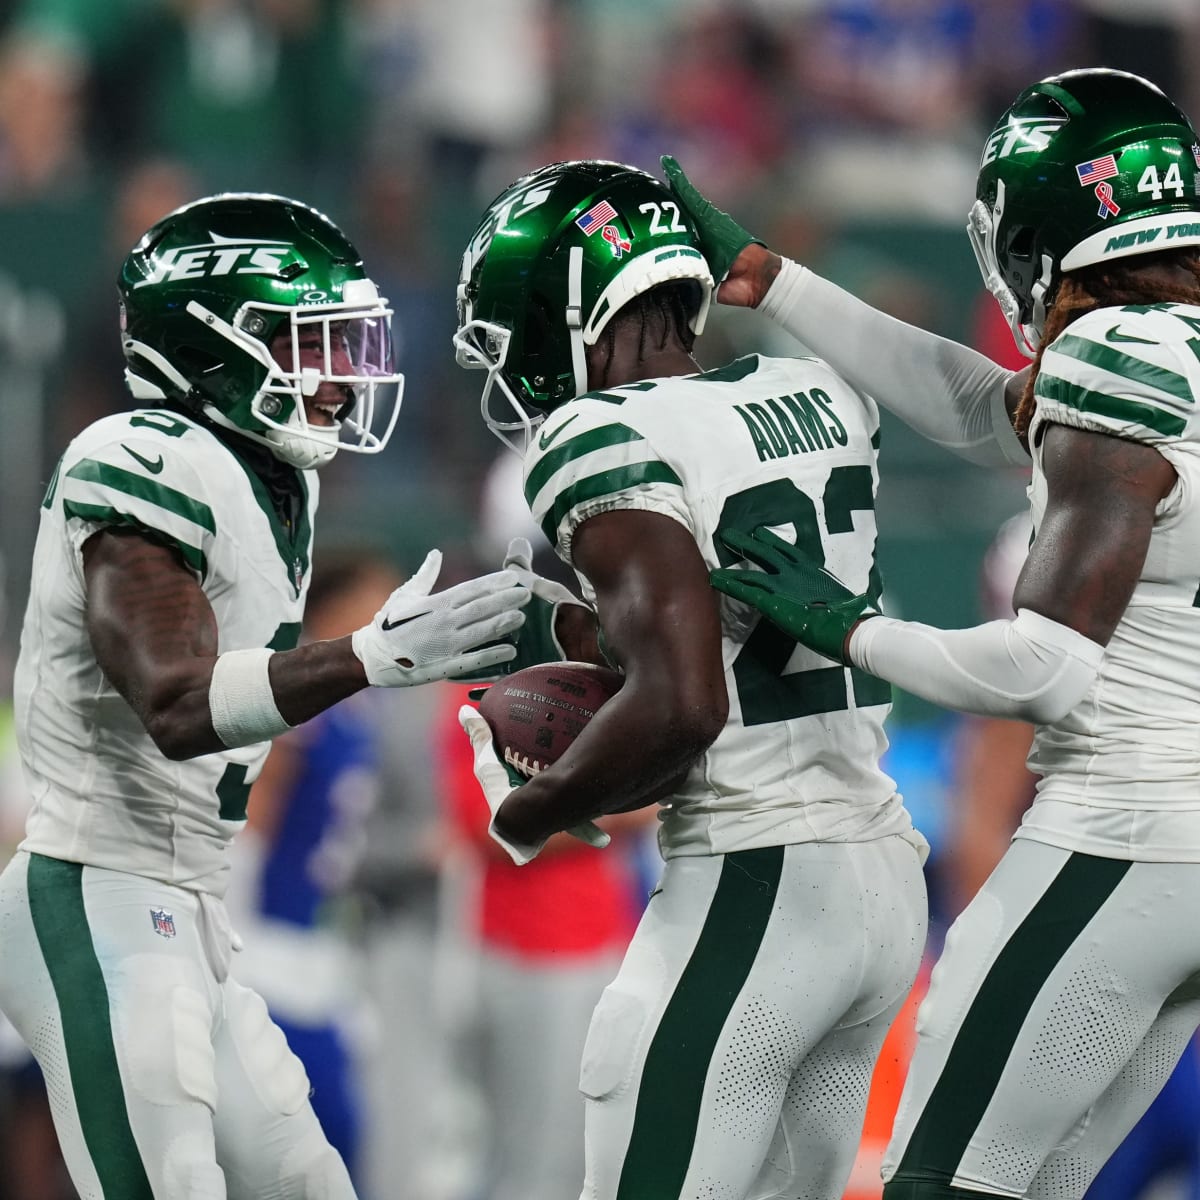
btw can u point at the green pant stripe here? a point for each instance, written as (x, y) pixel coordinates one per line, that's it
(990, 1029)
(672, 1087)
(61, 924)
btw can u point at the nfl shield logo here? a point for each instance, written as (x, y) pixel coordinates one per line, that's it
(163, 922)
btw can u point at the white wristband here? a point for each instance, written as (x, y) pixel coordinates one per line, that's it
(241, 701)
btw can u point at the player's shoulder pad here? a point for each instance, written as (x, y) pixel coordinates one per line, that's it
(162, 449)
(577, 427)
(1127, 369)
(590, 451)
(144, 475)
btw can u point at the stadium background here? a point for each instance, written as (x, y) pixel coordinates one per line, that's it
(845, 132)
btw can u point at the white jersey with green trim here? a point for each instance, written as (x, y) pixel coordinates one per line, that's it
(778, 441)
(103, 794)
(1121, 772)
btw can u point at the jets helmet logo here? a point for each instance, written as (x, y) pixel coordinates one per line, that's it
(1021, 135)
(516, 205)
(221, 256)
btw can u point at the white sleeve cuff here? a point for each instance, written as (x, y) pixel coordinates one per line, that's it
(948, 393)
(520, 852)
(241, 701)
(1030, 669)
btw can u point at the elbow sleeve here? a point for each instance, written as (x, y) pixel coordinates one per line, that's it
(1031, 668)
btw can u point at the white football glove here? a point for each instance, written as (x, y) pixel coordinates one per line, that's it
(417, 637)
(497, 784)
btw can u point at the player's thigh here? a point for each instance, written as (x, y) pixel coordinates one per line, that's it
(269, 1141)
(1150, 1131)
(1049, 981)
(821, 1118)
(104, 976)
(335, 1088)
(652, 1037)
(821, 1121)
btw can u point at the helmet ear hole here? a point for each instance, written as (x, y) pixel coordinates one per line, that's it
(195, 362)
(1021, 243)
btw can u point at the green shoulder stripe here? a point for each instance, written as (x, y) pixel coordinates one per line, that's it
(103, 514)
(573, 448)
(89, 470)
(605, 483)
(1119, 408)
(732, 372)
(1125, 365)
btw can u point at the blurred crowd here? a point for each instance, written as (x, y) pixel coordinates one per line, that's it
(846, 132)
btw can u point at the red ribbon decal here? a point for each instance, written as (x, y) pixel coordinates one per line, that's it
(1108, 207)
(612, 235)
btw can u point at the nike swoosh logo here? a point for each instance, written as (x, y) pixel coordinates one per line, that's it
(387, 626)
(154, 466)
(544, 441)
(1115, 335)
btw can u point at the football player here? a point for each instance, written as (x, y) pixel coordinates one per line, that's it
(1070, 986)
(731, 1055)
(158, 660)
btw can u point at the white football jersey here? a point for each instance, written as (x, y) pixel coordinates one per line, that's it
(782, 442)
(1121, 772)
(102, 793)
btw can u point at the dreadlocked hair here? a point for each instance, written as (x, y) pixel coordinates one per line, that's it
(661, 315)
(1107, 285)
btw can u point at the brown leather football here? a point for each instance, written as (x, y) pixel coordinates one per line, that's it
(535, 714)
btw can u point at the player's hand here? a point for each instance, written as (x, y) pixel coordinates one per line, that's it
(420, 635)
(498, 781)
(796, 593)
(738, 259)
(537, 640)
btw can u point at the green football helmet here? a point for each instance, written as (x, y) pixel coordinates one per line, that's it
(217, 300)
(1085, 167)
(556, 255)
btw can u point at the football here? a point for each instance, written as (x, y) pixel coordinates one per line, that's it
(535, 714)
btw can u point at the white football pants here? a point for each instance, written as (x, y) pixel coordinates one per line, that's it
(167, 1080)
(731, 1057)
(1067, 992)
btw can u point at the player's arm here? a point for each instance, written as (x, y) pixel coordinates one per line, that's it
(1102, 493)
(1076, 584)
(660, 621)
(155, 637)
(947, 392)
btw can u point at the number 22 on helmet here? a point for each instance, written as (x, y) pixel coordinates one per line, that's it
(556, 255)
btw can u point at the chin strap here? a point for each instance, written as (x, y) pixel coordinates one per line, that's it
(575, 318)
(142, 388)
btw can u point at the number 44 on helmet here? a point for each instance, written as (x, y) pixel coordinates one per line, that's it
(1085, 167)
